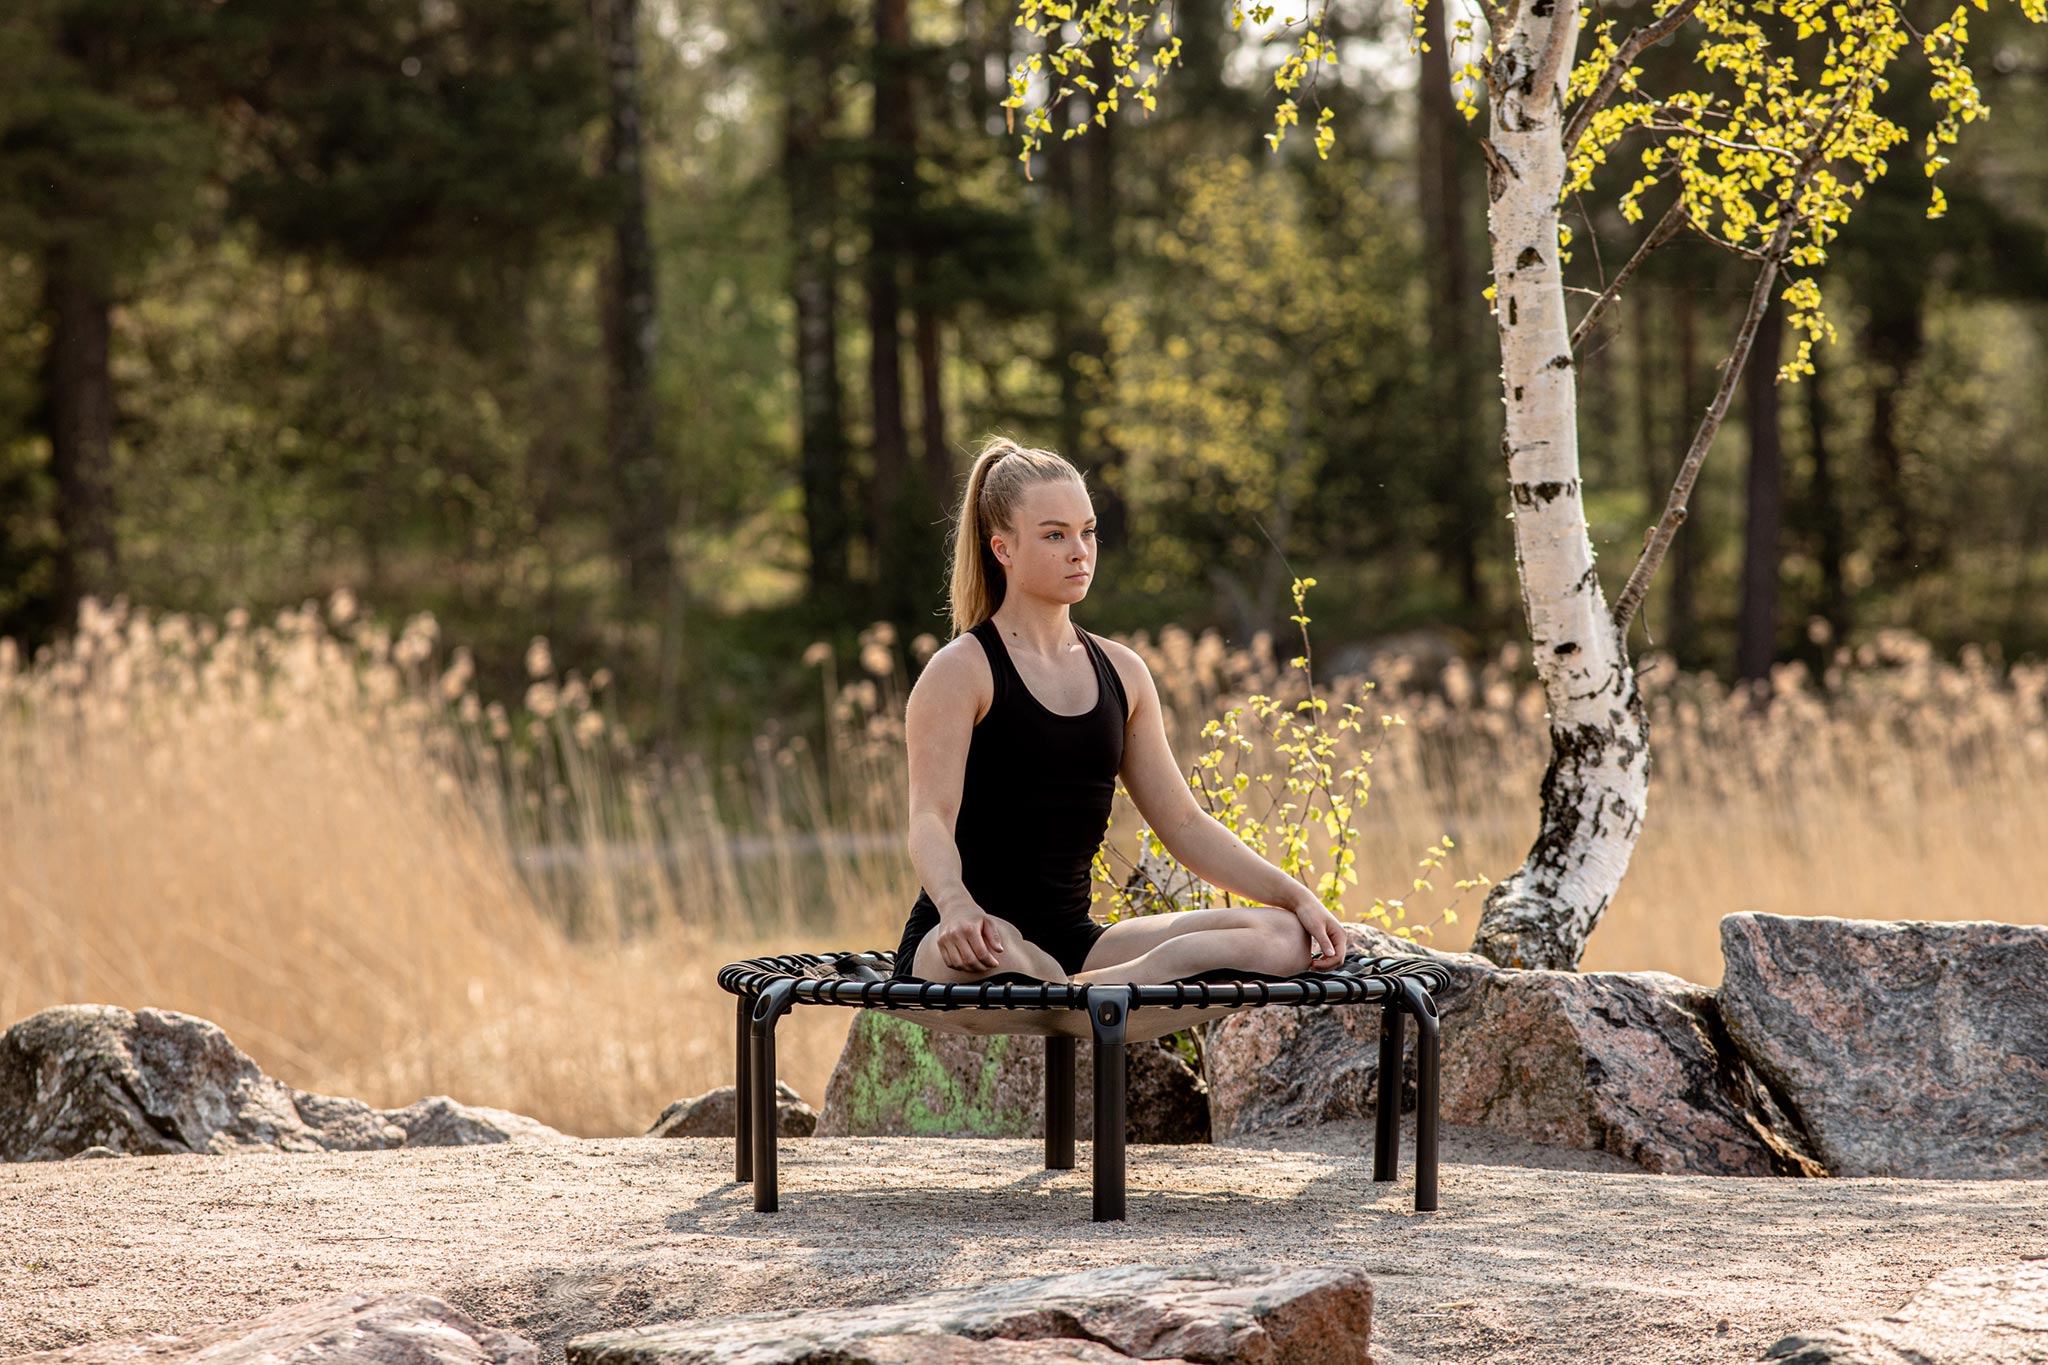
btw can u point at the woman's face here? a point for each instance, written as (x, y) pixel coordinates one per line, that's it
(1050, 552)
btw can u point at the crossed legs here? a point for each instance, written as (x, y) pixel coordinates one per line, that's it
(1150, 949)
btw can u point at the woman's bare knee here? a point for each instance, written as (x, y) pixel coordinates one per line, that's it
(1289, 944)
(1019, 954)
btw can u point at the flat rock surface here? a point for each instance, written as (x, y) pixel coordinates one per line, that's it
(1536, 1254)
(1226, 1310)
(1975, 1315)
(363, 1329)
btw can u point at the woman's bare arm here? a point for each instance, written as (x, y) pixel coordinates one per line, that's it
(938, 725)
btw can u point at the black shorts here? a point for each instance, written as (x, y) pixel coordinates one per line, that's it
(1067, 941)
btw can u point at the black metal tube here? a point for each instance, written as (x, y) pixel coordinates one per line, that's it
(1427, 1073)
(768, 1012)
(1386, 1135)
(742, 1097)
(1059, 1102)
(1108, 1012)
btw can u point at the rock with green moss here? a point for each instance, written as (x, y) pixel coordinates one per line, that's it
(898, 1078)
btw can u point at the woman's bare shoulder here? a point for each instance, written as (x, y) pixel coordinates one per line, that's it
(958, 673)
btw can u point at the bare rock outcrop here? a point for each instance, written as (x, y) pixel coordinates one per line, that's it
(99, 1080)
(438, 1121)
(1224, 1313)
(1976, 1315)
(1632, 1063)
(1908, 1048)
(351, 1329)
(714, 1114)
(896, 1078)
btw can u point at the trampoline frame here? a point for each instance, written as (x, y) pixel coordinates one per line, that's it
(769, 987)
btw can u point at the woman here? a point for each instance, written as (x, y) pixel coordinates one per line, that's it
(1018, 729)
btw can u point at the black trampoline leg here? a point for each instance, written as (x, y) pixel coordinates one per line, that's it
(1059, 1102)
(768, 1011)
(1386, 1136)
(1108, 1011)
(742, 1096)
(1427, 1075)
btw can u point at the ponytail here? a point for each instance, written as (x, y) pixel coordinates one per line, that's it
(1002, 470)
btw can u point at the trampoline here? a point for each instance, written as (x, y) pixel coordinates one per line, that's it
(1113, 1016)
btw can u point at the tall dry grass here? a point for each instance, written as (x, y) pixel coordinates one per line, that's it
(313, 832)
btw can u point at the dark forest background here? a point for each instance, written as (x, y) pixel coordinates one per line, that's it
(663, 328)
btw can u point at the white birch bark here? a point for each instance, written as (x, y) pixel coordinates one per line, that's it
(1597, 785)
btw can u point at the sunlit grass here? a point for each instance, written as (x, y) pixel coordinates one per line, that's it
(314, 833)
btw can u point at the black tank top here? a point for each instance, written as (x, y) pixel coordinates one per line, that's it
(1035, 800)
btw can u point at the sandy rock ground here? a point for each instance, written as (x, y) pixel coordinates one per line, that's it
(1536, 1255)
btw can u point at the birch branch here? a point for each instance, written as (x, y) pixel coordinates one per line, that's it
(1667, 227)
(1617, 68)
(1564, 29)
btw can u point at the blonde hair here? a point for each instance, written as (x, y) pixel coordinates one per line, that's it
(995, 488)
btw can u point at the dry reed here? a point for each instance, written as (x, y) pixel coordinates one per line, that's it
(314, 833)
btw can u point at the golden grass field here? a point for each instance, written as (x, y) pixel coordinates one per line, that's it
(311, 832)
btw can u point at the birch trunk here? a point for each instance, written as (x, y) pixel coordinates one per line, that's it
(1596, 787)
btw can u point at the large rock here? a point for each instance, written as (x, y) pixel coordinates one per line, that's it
(155, 1083)
(1632, 1063)
(1213, 1312)
(1907, 1048)
(352, 1329)
(1977, 1315)
(438, 1121)
(895, 1077)
(715, 1113)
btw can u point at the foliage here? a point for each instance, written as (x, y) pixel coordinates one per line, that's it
(1323, 800)
(1785, 140)
(1118, 28)
(1790, 143)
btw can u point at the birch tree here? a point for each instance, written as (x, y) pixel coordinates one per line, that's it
(1764, 157)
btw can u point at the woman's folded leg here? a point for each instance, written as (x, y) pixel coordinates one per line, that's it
(1151, 949)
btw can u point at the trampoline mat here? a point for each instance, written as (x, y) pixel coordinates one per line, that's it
(1027, 1018)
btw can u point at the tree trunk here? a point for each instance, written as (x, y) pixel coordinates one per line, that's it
(80, 400)
(1893, 339)
(1683, 599)
(1097, 227)
(938, 456)
(642, 497)
(1827, 509)
(1757, 636)
(1063, 191)
(1461, 495)
(892, 165)
(811, 33)
(1656, 479)
(1596, 787)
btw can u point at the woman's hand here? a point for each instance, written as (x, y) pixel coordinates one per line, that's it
(1325, 932)
(968, 941)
